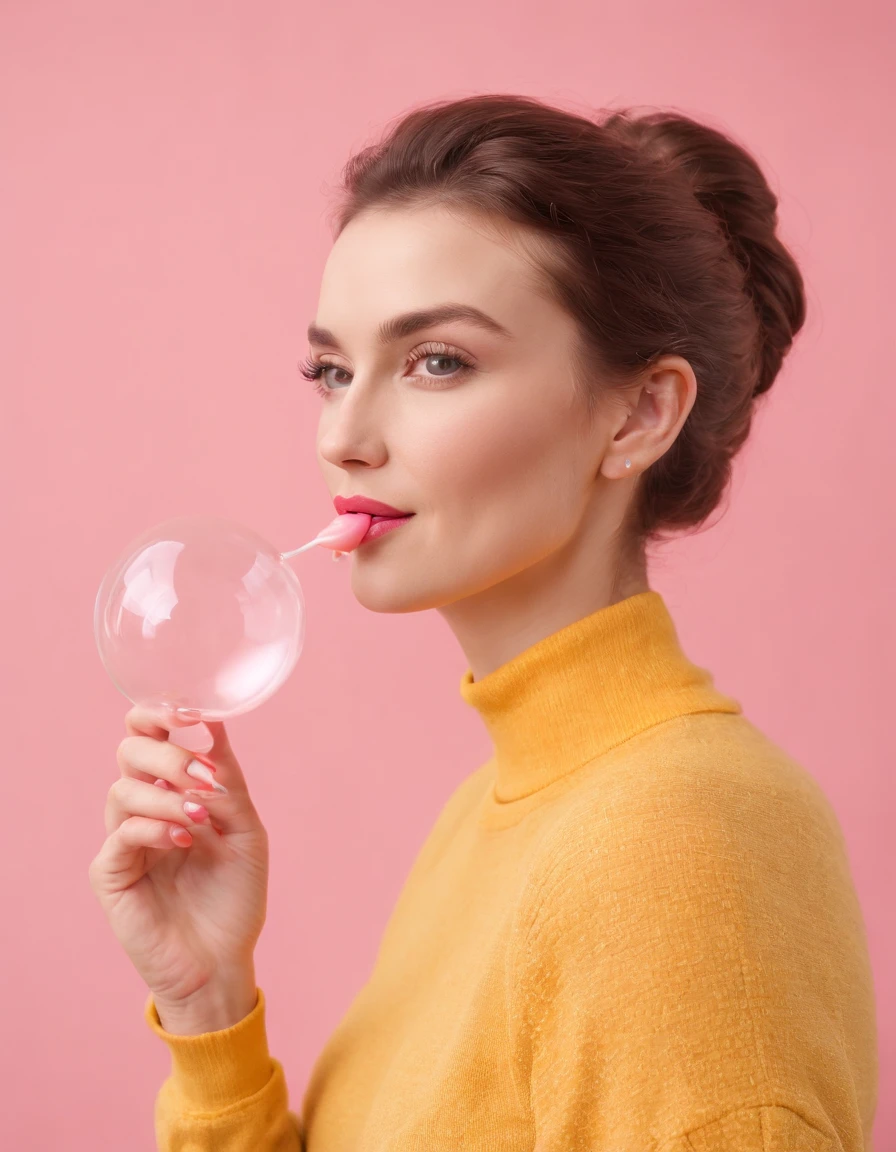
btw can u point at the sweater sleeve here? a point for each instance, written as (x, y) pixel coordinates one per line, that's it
(225, 1092)
(658, 998)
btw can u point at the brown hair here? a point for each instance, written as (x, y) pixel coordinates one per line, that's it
(660, 239)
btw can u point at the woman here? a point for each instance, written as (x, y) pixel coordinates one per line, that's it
(634, 927)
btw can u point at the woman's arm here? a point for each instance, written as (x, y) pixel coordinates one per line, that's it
(225, 1092)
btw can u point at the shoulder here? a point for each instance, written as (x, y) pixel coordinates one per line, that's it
(465, 796)
(455, 814)
(702, 820)
(704, 780)
(690, 912)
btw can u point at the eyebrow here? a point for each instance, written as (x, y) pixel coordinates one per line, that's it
(399, 327)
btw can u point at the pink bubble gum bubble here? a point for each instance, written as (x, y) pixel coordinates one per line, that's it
(345, 533)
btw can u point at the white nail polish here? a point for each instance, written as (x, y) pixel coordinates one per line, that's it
(203, 794)
(200, 771)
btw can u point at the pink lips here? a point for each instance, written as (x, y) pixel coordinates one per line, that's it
(380, 525)
(351, 529)
(368, 505)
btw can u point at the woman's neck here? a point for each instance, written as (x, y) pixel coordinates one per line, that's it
(495, 625)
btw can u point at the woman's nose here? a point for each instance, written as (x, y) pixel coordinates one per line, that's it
(352, 434)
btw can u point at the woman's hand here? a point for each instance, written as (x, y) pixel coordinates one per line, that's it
(188, 914)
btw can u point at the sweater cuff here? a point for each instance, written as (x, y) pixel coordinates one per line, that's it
(216, 1069)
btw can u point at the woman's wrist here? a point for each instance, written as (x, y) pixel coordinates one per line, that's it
(217, 1005)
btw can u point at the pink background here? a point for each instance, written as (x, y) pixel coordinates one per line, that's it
(163, 232)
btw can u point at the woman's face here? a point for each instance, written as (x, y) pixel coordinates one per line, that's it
(496, 459)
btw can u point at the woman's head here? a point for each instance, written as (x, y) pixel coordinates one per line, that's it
(641, 299)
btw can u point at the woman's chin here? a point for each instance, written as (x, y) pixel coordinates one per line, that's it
(395, 591)
(382, 592)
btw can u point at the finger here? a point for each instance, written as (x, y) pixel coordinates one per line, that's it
(149, 757)
(158, 723)
(121, 860)
(129, 797)
(146, 759)
(196, 797)
(143, 759)
(143, 720)
(221, 754)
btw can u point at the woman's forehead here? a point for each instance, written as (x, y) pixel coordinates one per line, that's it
(384, 265)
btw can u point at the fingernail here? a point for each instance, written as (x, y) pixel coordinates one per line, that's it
(160, 783)
(196, 812)
(202, 793)
(200, 771)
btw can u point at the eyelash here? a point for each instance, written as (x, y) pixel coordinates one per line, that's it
(314, 369)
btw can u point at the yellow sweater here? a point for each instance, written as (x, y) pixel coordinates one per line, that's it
(633, 929)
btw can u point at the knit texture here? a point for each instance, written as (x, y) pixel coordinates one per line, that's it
(633, 929)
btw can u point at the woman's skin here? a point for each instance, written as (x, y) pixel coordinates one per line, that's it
(519, 501)
(518, 505)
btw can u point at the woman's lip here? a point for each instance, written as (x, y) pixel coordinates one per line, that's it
(379, 525)
(368, 505)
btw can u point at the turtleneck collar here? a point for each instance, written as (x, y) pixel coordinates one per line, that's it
(579, 692)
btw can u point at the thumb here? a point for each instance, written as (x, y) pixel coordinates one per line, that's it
(221, 750)
(233, 811)
(220, 756)
(223, 759)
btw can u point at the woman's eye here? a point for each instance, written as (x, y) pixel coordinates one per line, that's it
(436, 366)
(437, 356)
